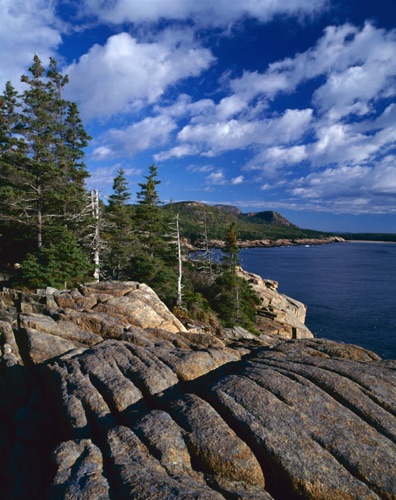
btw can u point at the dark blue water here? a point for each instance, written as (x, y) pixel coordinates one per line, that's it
(349, 288)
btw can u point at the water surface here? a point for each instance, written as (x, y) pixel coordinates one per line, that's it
(349, 288)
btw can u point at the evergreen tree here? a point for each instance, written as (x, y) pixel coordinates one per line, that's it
(118, 234)
(13, 239)
(230, 259)
(44, 176)
(231, 296)
(63, 264)
(153, 261)
(121, 194)
(41, 171)
(148, 212)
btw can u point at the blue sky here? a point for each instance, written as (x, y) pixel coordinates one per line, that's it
(262, 104)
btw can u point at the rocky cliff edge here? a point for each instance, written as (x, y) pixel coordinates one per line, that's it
(104, 394)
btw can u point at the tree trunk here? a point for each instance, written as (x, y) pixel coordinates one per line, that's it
(39, 219)
(179, 300)
(96, 240)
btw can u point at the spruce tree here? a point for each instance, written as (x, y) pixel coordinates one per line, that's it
(42, 173)
(232, 297)
(44, 176)
(148, 212)
(12, 193)
(119, 230)
(153, 261)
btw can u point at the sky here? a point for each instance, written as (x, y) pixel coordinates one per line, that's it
(261, 104)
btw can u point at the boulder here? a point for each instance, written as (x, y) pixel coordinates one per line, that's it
(278, 314)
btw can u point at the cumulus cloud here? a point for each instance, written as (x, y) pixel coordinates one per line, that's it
(217, 178)
(227, 135)
(103, 177)
(202, 169)
(127, 74)
(357, 189)
(184, 106)
(176, 152)
(150, 132)
(237, 180)
(204, 12)
(101, 153)
(26, 28)
(359, 65)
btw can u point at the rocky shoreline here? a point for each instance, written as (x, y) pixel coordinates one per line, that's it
(105, 394)
(276, 243)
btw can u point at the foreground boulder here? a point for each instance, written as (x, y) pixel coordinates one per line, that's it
(104, 394)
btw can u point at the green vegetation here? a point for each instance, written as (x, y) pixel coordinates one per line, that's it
(118, 231)
(231, 296)
(42, 192)
(51, 227)
(194, 216)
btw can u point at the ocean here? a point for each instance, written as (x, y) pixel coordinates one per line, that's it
(349, 289)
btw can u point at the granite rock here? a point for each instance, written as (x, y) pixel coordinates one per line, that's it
(99, 403)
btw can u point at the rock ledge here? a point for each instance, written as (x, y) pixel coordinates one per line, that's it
(106, 395)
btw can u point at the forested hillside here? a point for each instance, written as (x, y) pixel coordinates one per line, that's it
(54, 232)
(197, 219)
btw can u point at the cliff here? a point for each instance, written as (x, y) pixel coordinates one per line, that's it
(106, 395)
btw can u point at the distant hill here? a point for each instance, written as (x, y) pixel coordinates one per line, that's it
(267, 217)
(229, 209)
(270, 225)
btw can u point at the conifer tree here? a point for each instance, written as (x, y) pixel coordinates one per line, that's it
(119, 229)
(42, 174)
(153, 261)
(230, 259)
(232, 297)
(148, 213)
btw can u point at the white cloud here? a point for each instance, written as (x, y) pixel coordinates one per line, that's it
(184, 106)
(359, 66)
(237, 133)
(384, 177)
(237, 180)
(202, 169)
(126, 74)
(101, 153)
(294, 154)
(151, 132)
(341, 143)
(217, 178)
(104, 176)
(356, 189)
(271, 159)
(26, 28)
(176, 152)
(204, 12)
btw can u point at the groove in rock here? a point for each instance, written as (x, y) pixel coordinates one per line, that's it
(340, 459)
(366, 390)
(277, 482)
(342, 400)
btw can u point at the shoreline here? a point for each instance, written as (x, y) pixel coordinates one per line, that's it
(275, 243)
(370, 241)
